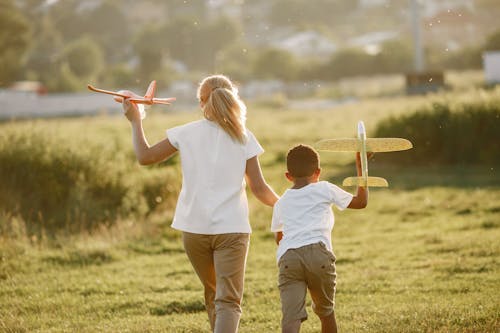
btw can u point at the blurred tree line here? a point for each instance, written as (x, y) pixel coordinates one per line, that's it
(69, 43)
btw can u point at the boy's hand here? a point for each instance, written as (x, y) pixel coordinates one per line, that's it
(278, 236)
(369, 155)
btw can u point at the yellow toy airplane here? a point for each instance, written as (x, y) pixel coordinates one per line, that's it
(363, 145)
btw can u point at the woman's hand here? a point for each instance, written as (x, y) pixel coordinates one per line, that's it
(131, 110)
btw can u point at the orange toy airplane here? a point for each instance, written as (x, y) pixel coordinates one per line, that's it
(148, 99)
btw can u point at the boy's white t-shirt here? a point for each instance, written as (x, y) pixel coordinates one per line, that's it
(213, 199)
(305, 215)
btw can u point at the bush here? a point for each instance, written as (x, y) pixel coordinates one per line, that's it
(54, 186)
(443, 136)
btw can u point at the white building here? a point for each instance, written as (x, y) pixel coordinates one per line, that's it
(371, 42)
(372, 3)
(491, 63)
(308, 44)
(433, 7)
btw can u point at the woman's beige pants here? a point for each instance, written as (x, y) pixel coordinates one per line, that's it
(219, 262)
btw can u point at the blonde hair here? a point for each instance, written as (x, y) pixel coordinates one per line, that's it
(221, 103)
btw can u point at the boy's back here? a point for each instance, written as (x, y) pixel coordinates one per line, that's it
(303, 221)
(304, 215)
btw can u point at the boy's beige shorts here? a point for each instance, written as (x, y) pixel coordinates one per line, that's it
(308, 267)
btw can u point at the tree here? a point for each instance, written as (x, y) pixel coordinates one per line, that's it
(118, 76)
(493, 42)
(84, 57)
(182, 38)
(235, 61)
(108, 26)
(275, 64)
(67, 19)
(149, 48)
(395, 57)
(197, 43)
(106, 23)
(14, 41)
(43, 58)
(301, 13)
(219, 35)
(348, 62)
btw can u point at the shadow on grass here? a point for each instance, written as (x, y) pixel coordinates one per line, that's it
(80, 258)
(154, 247)
(177, 307)
(410, 178)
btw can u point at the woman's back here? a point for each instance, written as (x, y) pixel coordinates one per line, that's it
(213, 198)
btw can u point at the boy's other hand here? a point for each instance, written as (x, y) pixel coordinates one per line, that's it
(369, 156)
(278, 236)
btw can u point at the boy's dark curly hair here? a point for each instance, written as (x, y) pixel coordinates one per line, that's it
(302, 161)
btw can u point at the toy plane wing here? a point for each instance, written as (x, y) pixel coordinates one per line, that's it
(376, 145)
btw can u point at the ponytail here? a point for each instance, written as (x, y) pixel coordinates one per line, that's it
(223, 105)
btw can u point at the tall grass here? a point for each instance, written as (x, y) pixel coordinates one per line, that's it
(445, 134)
(57, 177)
(419, 258)
(54, 184)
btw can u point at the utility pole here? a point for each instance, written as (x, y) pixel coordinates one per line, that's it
(419, 64)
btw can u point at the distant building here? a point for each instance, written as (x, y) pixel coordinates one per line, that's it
(372, 3)
(29, 87)
(308, 44)
(491, 62)
(371, 42)
(454, 27)
(229, 8)
(433, 7)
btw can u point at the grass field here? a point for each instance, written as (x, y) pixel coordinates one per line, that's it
(422, 257)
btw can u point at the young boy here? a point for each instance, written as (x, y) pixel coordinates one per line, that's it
(303, 221)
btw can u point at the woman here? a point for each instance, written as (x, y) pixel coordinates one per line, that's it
(217, 154)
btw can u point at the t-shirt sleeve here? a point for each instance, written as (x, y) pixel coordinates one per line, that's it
(252, 147)
(276, 224)
(174, 135)
(338, 196)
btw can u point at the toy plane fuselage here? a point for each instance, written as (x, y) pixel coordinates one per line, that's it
(363, 145)
(148, 99)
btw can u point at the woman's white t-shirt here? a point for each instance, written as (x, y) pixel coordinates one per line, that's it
(305, 215)
(213, 198)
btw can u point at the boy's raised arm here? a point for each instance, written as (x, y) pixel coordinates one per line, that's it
(360, 200)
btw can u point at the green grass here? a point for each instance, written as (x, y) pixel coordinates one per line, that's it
(422, 257)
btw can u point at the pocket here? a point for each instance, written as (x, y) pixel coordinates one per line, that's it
(327, 252)
(290, 268)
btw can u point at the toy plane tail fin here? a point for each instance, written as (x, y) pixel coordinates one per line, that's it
(370, 181)
(150, 93)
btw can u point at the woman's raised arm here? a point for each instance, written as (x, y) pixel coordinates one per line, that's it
(145, 154)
